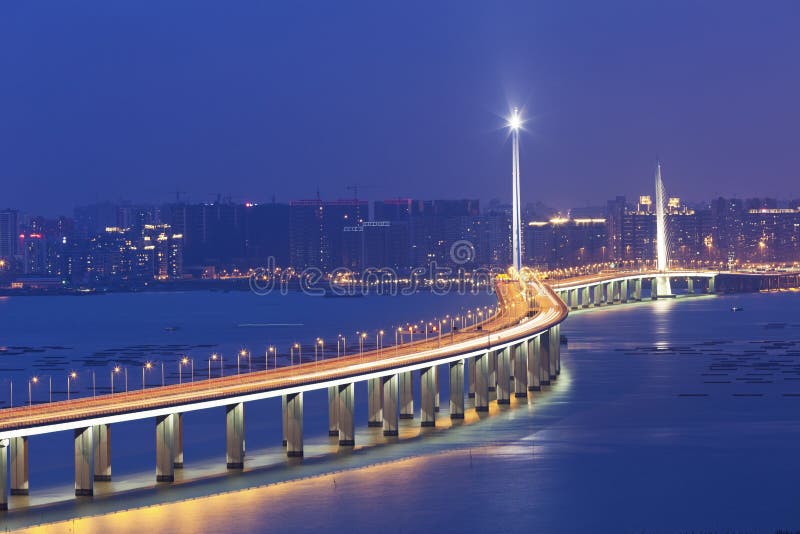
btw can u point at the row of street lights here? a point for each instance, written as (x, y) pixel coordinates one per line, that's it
(434, 327)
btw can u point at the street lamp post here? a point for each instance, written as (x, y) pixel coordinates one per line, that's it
(34, 380)
(321, 344)
(361, 339)
(70, 377)
(183, 361)
(114, 371)
(214, 357)
(146, 367)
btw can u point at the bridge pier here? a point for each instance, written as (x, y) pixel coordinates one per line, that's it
(598, 295)
(84, 462)
(457, 389)
(102, 453)
(389, 412)
(573, 299)
(623, 291)
(545, 347)
(520, 351)
(18, 460)
(406, 396)
(294, 425)
(333, 412)
(285, 418)
(375, 402)
(234, 436)
(555, 349)
(427, 408)
(637, 290)
(165, 442)
(585, 302)
(4, 445)
(347, 425)
(533, 365)
(436, 406)
(555, 359)
(492, 366)
(690, 285)
(503, 376)
(177, 445)
(609, 292)
(711, 284)
(482, 382)
(470, 363)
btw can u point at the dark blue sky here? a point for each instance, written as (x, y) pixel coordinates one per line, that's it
(131, 100)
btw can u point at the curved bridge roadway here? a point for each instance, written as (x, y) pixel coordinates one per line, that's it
(523, 333)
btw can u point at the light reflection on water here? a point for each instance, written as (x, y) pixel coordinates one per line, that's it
(613, 446)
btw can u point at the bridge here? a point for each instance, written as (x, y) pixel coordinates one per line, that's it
(514, 350)
(520, 339)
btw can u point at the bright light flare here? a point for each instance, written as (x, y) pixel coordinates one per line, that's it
(515, 120)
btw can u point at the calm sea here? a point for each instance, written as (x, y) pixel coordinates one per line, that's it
(668, 416)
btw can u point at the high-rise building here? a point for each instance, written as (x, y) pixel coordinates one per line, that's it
(266, 234)
(9, 233)
(562, 242)
(316, 231)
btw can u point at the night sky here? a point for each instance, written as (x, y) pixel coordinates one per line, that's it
(110, 100)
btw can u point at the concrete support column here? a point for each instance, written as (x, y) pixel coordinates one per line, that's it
(598, 295)
(427, 409)
(4, 445)
(333, 412)
(84, 462)
(375, 402)
(234, 436)
(533, 365)
(555, 346)
(558, 349)
(623, 291)
(18, 463)
(492, 361)
(165, 442)
(503, 376)
(609, 292)
(470, 363)
(436, 405)
(520, 370)
(347, 424)
(177, 445)
(637, 290)
(585, 302)
(711, 285)
(102, 453)
(389, 411)
(294, 425)
(406, 396)
(573, 299)
(482, 382)
(457, 389)
(544, 358)
(284, 416)
(690, 285)
(653, 288)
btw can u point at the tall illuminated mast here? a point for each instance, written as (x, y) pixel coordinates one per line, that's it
(515, 123)
(662, 260)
